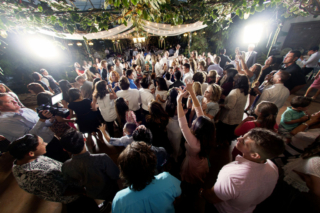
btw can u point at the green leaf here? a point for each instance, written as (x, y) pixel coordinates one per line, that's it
(70, 29)
(53, 18)
(134, 2)
(126, 3)
(125, 23)
(238, 12)
(40, 8)
(145, 14)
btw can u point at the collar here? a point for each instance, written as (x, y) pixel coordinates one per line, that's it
(241, 160)
(11, 114)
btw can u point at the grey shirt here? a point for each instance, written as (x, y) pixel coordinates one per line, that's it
(86, 90)
(97, 172)
(212, 107)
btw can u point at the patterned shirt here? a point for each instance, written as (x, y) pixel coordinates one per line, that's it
(43, 178)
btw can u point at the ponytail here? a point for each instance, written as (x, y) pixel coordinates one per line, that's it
(268, 114)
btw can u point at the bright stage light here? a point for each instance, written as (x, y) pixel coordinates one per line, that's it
(252, 33)
(42, 47)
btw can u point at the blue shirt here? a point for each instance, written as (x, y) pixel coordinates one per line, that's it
(157, 197)
(15, 125)
(123, 141)
(290, 115)
(132, 85)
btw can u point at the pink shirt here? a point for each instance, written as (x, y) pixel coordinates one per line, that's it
(242, 184)
(194, 169)
(131, 117)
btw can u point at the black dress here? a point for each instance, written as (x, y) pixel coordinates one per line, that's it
(87, 119)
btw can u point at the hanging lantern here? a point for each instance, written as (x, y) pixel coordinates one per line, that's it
(185, 35)
(70, 44)
(90, 43)
(195, 33)
(79, 44)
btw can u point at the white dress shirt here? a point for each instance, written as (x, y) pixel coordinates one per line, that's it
(313, 60)
(118, 69)
(248, 54)
(146, 98)
(132, 96)
(168, 60)
(187, 76)
(168, 82)
(158, 69)
(276, 94)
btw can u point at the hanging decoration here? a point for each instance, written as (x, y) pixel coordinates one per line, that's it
(116, 45)
(189, 42)
(162, 41)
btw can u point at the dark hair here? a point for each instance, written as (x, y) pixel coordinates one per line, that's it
(198, 76)
(204, 130)
(130, 127)
(23, 145)
(162, 84)
(94, 83)
(212, 76)
(137, 165)
(44, 98)
(93, 69)
(242, 83)
(36, 76)
(186, 65)
(230, 74)
(228, 66)
(100, 90)
(284, 75)
(257, 73)
(36, 88)
(314, 48)
(74, 94)
(72, 141)
(222, 51)
(145, 82)
(157, 114)
(177, 75)
(109, 66)
(171, 105)
(268, 144)
(129, 72)
(300, 101)
(296, 53)
(134, 66)
(65, 86)
(142, 134)
(168, 76)
(268, 114)
(124, 83)
(121, 109)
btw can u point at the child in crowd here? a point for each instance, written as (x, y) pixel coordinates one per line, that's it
(294, 116)
(124, 140)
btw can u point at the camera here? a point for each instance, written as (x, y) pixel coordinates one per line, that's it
(55, 111)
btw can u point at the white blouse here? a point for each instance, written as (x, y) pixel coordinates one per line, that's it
(107, 108)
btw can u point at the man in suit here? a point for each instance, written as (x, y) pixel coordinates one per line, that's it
(251, 56)
(224, 58)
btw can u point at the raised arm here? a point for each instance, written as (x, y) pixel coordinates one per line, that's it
(245, 68)
(195, 101)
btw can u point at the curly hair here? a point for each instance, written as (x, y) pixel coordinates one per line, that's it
(157, 114)
(137, 165)
(242, 83)
(121, 109)
(100, 90)
(23, 145)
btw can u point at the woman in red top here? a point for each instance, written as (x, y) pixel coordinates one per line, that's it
(267, 114)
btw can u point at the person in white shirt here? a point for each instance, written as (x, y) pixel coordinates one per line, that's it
(167, 60)
(159, 70)
(187, 75)
(277, 93)
(215, 66)
(312, 62)
(251, 178)
(146, 94)
(107, 52)
(118, 67)
(168, 79)
(131, 95)
(135, 52)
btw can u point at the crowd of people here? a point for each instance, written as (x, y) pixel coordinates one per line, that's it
(168, 113)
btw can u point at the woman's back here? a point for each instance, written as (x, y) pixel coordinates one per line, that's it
(80, 107)
(107, 108)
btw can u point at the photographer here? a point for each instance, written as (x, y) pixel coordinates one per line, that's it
(16, 122)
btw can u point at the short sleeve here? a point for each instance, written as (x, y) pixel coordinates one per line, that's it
(224, 188)
(213, 109)
(287, 116)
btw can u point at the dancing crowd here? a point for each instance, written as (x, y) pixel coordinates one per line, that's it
(168, 116)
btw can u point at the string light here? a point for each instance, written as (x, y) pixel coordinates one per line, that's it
(79, 44)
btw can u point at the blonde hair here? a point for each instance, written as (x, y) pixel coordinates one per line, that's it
(197, 88)
(203, 64)
(148, 57)
(216, 92)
